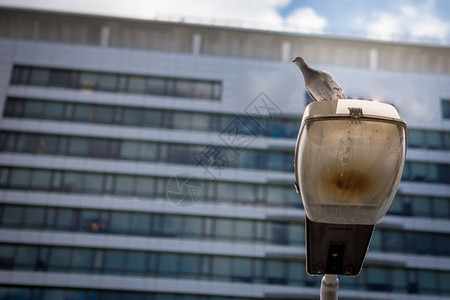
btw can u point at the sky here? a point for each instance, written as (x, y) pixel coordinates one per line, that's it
(411, 20)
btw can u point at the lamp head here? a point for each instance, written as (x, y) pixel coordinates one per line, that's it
(349, 159)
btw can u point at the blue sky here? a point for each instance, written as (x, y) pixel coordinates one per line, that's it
(417, 20)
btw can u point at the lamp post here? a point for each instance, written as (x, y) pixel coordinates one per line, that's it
(349, 159)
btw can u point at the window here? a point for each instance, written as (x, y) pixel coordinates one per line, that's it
(145, 187)
(135, 262)
(59, 78)
(136, 84)
(81, 259)
(224, 228)
(40, 179)
(244, 229)
(446, 108)
(60, 258)
(119, 222)
(129, 150)
(39, 76)
(34, 217)
(156, 86)
(88, 80)
(275, 272)
(140, 223)
(107, 82)
(168, 264)
(242, 269)
(103, 114)
(190, 264)
(26, 256)
(192, 226)
(12, 215)
(133, 117)
(221, 266)
(124, 185)
(114, 261)
(19, 178)
(33, 109)
(78, 146)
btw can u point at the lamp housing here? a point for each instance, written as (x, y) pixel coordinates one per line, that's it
(349, 160)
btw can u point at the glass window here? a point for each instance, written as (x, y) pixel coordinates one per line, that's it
(39, 76)
(83, 113)
(427, 281)
(88, 80)
(223, 228)
(140, 223)
(181, 120)
(244, 229)
(168, 264)
(184, 88)
(34, 217)
(93, 183)
(156, 86)
(26, 256)
(296, 273)
(221, 266)
(192, 226)
(136, 84)
(129, 150)
(60, 258)
(107, 82)
(78, 146)
(275, 161)
(64, 218)
(171, 225)
(54, 294)
(59, 78)
(242, 269)
(7, 255)
(398, 280)
(200, 122)
(217, 91)
(248, 159)
(120, 222)
(225, 191)
(103, 114)
(133, 117)
(33, 109)
(48, 144)
(81, 259)
(275, 195)
(76, 295)
(275, 271)
(124, 185)
(73, 182)
(152, 118)
(114, 260)
(190, 264)
(446, 109)
(19, 178)
(18, 293)
(54, 111)
(245, 192)
(203, 90)
(40, 179)
(377, 279)
(277, 233)
(145, 187)
(136, 262)
(434, 140)
(148, 151)
(296, 234)
(392, 241)
(441, 208)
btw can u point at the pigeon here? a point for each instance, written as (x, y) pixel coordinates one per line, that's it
(320, 85)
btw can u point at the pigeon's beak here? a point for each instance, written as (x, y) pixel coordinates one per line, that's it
(293, 60)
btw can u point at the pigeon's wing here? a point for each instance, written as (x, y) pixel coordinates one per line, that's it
(331, 84)
(311, 95)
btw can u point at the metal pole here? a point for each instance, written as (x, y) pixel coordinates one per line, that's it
(329, 287)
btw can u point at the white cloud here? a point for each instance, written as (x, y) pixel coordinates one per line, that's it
(305, 19)
(410, 21)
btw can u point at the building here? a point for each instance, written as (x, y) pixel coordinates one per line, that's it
(153, 160)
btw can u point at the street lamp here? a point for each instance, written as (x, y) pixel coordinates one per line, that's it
(349, 159)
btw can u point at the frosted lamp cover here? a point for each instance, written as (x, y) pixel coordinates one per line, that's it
(348, 169)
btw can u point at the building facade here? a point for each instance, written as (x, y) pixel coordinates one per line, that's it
(154, 160)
